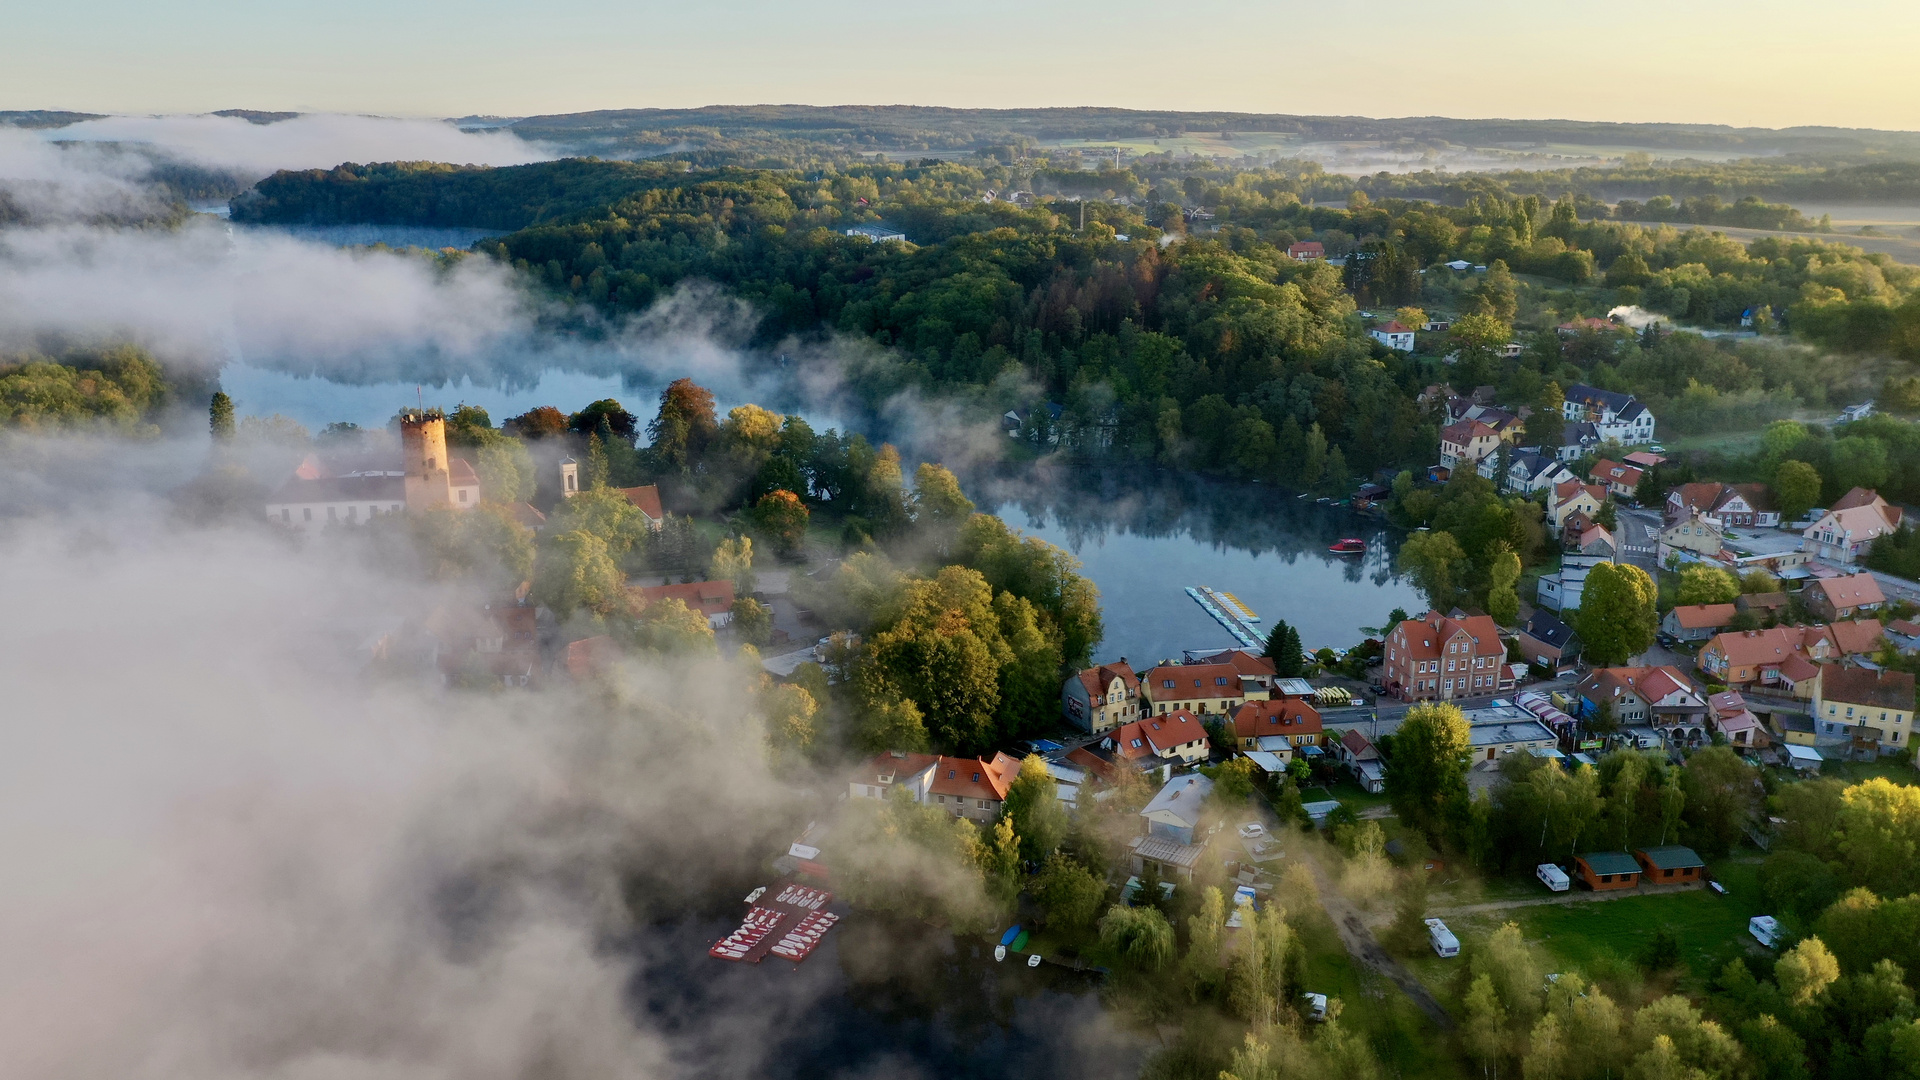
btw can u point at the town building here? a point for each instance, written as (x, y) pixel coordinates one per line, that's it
(1847, 597)
(1766, 606)
(1617, 417)
(646, 500)
(1203, 688)
(1693, 536)
(1874, 709)
(1306, 249)
(1766, 657)
(423, 478)
(972, 788)
(1258, 679)
(1578, 438)
(1746, 506)
(1697, 622)
(1580, 535)
(1441, 657)
(1735, 722)
(1394, 335)
(1501, 729)
(1291, 720)
(1588, 325)
(1172, 820)
(1178, 736)
(1548, 642)
(1101, 697)
(1621, 481)
(1843, 533)
(1466, 444)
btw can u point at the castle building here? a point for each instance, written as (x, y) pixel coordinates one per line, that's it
(424, 478)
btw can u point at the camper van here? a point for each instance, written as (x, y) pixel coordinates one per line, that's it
(1765, 929)
(1444, 943)
(1553, 877)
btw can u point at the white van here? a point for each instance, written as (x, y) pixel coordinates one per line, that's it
(1765, 929)
(1444, 943)
(1553, 877)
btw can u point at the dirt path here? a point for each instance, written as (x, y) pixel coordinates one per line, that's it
(1366, 949)
(1568, 897)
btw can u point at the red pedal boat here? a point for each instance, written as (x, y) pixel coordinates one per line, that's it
(1349, 546)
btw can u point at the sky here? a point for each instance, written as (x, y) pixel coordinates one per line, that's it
(1767, 63)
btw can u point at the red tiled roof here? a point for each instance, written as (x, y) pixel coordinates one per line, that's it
(1192, 681)
(1097, 679)
(1850, 591)
(590, 656)
(1858, 686)
(1703, 616)
(1466, 431)
(1797, 667)
(1856, 637)
(1758, 647)
(1158, 734)
(647, 499)
(1396, 327)
(1357, 745)
(967, 778)
(893, 766)
(1288, 716)
(1426, 636)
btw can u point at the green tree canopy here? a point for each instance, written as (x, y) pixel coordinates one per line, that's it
(1617, 617)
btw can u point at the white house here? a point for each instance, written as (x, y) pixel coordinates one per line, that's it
(1174, 813)
(876, 233)
(1561, 591)
(1620, 417)
(1843, 533)
(1394, 335)
(1530, 471)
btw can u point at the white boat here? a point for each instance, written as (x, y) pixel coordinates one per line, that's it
(999, 952)
(1034, 960)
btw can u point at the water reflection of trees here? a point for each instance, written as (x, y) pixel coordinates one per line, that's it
(1089, 504)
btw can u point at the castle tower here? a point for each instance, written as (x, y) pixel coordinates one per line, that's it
(569, 478)
(423, 441)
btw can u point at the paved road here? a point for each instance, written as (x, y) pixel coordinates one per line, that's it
(1391, 712)
(1639, 537)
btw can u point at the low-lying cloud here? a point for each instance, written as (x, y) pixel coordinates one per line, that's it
(307, 141)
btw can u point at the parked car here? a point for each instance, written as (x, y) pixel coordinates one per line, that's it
(1316, 1006)
(1252, 830)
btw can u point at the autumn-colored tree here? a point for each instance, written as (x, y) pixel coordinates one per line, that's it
(782, 518)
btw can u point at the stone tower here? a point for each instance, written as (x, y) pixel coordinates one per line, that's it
(423, 441)
(569, 478)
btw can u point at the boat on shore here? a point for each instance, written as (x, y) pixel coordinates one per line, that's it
(1349, 546)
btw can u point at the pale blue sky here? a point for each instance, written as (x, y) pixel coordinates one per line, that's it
(1760, 62)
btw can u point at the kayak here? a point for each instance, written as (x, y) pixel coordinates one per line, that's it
(1020, 943)
(1012, 932)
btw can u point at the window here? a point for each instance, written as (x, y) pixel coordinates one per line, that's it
(306, 513)
(1604, 878)
(943, 800)
(1135, 744)
(983, 804)
(1667, 872)
(463, 494)
(286, 514)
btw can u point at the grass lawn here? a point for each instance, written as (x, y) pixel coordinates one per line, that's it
(1345, 790)
(1604, 938)
(1405, 1041)
(1735, 444)
(1853, 772)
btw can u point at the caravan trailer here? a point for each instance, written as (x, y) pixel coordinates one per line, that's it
(1444, 943)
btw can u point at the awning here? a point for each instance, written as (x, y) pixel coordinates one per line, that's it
(1267, 762)
(1803, 756)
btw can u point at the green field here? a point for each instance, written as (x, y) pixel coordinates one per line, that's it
(1404, 1039)
(1604, 938)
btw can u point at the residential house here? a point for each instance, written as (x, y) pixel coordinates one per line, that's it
(1258, 680)
(1670, 865)
(1841, 640)
(1574, 497)
(1873, 708)
(1586, 325)
(1747, 506)
(1905, 635)
(1467, 443)
(1582, 536)
(1362, 759)
(1765, 606)
(972, 788)
(1696, 535)
(588, 657)
(1101, 697)
(1645, 459)
(1292, 720)
(1619, 417)
(1697, 622)
(1547, 642)
(1607, 870)
(1843, 533)
(1735, 722)
(1746, 657)
(1437, 326)
(1796, 677)
(1443, 657)
(1620, 480)
(1203, 688)
(496, 645)
(1306, 249)
(1175, 810)
(1507, 425)
(1529, 471)
(713, 599)
(1178, 736)
(1172, 820)
(1658, 697)
(1829, 599)
(1394, 335)
(1563, 589)
(1856, 412)
(1578, 438)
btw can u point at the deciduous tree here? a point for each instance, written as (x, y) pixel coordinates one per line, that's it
(1616, 618)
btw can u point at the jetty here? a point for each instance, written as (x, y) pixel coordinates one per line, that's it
(1227, 614)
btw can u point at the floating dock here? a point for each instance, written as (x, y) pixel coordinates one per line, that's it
(789, 925)
(1226, 615)
(1237, 606)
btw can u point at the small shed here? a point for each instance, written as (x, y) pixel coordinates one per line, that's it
(1671, 864)
(1604, 870)
(1805, 758)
